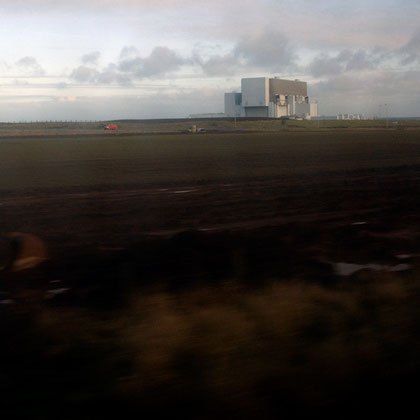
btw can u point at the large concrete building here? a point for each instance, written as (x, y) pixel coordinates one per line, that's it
(271, 98)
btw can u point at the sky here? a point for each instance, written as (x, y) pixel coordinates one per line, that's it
(108, 59)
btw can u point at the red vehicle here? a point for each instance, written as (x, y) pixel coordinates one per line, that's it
(111, 127)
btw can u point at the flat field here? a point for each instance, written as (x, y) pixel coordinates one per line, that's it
(242, 274)
(107, 191)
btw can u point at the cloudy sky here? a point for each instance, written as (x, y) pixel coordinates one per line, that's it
(105, 59)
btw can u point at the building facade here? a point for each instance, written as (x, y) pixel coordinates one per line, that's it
(270, 98)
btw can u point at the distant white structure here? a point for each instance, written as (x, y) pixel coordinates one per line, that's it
(351, 117)
(272, 98)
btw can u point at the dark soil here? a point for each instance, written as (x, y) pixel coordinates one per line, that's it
(108, 241)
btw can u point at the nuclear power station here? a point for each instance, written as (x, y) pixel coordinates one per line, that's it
(270, 98)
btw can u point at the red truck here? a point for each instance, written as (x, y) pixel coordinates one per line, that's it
(111, 127)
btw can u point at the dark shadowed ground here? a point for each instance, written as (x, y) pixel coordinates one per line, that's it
(251, 276)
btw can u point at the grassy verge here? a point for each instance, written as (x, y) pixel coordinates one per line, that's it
(288, 348)
(182, 125)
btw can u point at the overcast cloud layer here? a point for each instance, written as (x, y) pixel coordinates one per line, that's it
(107, 59)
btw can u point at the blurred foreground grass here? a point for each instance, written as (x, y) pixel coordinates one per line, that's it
(288, 348)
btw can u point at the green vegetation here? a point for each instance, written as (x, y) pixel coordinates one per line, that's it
(182, 125)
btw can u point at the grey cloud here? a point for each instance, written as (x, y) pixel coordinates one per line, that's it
(217, 65)
(378, 82)
(30, 67)
(363, 93)
(107, 76)
(4, 67)
(346, 61)
(406, 82)
(250, 52)
(220, 65)
(324, 65)
(111, 75)
(129, 52)
(271, 50)
(27, 62)
(340, 84)
(84, 74)
(91, 58)
(360, 60)
(411, 50)
(130, 66)
(160, 61)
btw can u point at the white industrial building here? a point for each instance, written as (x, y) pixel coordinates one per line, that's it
(270, 98)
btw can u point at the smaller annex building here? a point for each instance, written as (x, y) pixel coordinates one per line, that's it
(270, 98)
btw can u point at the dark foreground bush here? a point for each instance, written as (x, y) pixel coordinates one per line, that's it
(288, 349)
